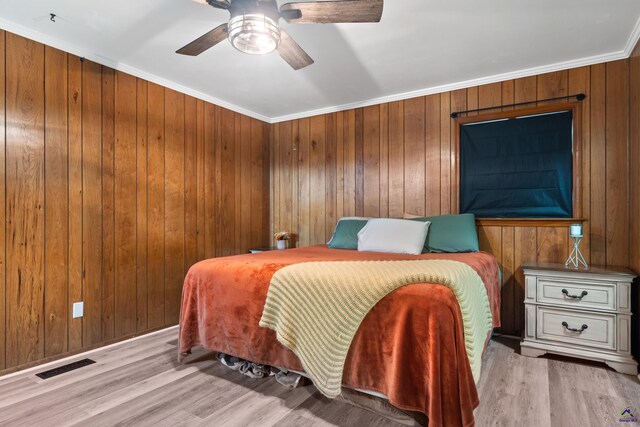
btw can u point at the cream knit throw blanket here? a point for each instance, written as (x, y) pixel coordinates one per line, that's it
(315, 308)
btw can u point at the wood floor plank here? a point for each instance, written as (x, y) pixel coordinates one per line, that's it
(266, 405)
(140, 383)
(107, 360)
(141, 388)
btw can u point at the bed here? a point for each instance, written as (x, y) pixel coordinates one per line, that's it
(409, 348)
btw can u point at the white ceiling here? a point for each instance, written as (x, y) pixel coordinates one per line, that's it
(420, 46)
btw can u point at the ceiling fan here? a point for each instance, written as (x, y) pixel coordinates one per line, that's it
(253, 27)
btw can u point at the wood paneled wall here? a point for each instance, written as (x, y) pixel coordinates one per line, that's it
(634, 186)
(110, 188)
(392, 158)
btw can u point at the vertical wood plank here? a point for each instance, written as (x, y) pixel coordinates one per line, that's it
(266, 181)
(284, 165)
(200, 178)
(617, 164)
(525, 240)
(125, 204)
(446, 100)
(349, 141)
(304, 205)
(359, 161)
(552, 244)
(490, 95)
(142, 166)
(295, 135)
(579, 82)
(275, 177)
(258, 191)
(214, 216)
(472, 100)
(396, 159)
(433, 158)
(156, 206)
(3, 222)
(384, 160)
(508, 94)
(174, 204)
(317, 182)
(634, 160)
(371, 161)
(552, 85)
(245, 183)
(634, 181)
(92, 202)
(108, 205)
(236, 220)
(226, 209)
(75, 199)
(212, 179)
(525, 89)
(56, 181)
(190, 183)
(330, 177)
(458, 103)
(25, 200)
(490, 240)
(414, 156)
(598, 211)
(507, 308)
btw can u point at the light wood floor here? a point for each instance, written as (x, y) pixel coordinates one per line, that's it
(139, 383)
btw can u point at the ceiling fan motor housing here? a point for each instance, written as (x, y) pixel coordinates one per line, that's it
(253, 27)
(249, 7)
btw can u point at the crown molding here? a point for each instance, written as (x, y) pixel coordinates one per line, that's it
(633, 40)
(94, 57)
(560, 66)
(631, 43)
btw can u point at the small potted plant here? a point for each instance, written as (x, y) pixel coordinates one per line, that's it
(281, 239)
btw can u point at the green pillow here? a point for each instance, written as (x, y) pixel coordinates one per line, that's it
(346, 234)
(451, 233)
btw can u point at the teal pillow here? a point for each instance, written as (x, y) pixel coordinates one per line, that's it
(451, 233)
(346, 234)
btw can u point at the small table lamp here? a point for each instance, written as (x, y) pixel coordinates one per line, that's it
(575, 234)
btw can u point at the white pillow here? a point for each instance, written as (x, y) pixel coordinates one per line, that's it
(399, 236)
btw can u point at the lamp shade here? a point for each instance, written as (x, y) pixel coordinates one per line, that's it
(575, 230)
(254, 33)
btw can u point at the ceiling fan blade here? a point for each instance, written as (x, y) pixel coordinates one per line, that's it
(220, 4)
(292, 53)
(205, 41)
(331, 12)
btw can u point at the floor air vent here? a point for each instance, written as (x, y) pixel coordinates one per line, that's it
(65, 368)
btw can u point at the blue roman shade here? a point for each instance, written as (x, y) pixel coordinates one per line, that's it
(518, 168)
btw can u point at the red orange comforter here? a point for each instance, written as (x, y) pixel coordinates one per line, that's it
(410, 347)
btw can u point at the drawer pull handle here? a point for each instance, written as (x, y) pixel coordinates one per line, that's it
(566, 325)
(566, 293)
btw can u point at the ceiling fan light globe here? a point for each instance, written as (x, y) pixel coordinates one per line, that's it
(255, 33)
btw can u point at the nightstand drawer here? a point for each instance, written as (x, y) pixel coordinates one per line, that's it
(577, 327)
(582, 294)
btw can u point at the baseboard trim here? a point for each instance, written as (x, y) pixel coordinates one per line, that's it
(66, 357)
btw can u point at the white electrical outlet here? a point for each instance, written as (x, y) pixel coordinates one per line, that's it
(78, 309)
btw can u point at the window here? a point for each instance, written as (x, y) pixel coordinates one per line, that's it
(519, 166)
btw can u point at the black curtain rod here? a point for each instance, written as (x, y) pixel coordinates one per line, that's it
(579, 97)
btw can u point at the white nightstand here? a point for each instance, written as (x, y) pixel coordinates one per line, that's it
(582, 313)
